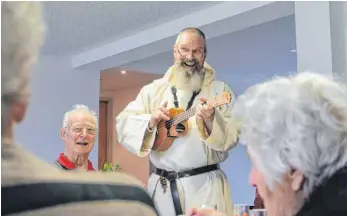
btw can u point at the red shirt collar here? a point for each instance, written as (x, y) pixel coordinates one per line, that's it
(64, 161)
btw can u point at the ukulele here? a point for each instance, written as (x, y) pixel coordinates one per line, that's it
(177, 126)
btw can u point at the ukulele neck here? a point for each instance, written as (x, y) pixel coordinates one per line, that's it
(221, 99)
(183, 116)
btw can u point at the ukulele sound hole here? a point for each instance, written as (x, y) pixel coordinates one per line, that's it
(180, 128)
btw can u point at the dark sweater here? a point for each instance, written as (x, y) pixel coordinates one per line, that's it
(329, 198)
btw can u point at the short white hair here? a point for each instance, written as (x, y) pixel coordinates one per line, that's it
(299, 122)
(22, 32)
(79, 108)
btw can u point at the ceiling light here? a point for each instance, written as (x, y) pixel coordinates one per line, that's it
(123, 72)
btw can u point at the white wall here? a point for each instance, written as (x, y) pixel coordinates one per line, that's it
(338, 24)
(55, 88)
(321, 36)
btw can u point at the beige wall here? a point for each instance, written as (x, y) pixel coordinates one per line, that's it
(130, 164)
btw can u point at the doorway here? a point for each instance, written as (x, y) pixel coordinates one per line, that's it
(102, 150)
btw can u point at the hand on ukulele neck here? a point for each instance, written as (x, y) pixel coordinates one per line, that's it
(204, 111)
(159, 114)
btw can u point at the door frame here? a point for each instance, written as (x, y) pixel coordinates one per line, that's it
(109, 127)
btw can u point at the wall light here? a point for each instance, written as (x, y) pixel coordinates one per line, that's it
(123, 72)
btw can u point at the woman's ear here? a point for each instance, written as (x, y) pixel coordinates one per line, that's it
(297, 180)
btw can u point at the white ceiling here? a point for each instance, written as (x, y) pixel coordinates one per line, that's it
(73, 27)
(242, 55)
(264, 48)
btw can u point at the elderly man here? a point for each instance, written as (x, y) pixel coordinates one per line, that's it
(186, 174)
(30, 186)
(295, 131)
(78, 134)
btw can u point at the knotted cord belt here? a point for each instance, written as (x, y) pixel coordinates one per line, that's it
(172, 176)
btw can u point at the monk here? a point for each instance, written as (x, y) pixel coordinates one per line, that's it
(187, 174)
(78, 133)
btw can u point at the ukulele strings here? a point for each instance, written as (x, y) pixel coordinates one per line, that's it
(178, 118)
(181, 117)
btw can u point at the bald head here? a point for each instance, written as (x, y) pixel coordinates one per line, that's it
(190, 49)
(191, 32)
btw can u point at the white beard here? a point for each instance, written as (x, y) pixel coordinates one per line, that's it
(186, 80)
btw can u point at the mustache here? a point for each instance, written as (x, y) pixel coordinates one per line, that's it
(186, 61)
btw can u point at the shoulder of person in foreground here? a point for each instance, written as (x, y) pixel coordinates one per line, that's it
(38, 188)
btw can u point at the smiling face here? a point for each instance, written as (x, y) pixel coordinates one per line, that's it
(189, 56)
(189, 53)
(79, 135)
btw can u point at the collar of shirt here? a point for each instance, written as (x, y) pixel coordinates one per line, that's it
(64, 161)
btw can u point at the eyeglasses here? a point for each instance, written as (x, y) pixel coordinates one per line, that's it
(198, 53)
(89, 130)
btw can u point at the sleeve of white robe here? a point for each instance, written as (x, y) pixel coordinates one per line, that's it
(224, 134)
(132, 122)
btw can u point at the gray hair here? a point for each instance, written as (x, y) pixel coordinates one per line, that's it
(22, 32)
(298, 122)
(79, 108)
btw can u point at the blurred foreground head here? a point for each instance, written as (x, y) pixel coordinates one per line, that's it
(22, 32)
(295, 131)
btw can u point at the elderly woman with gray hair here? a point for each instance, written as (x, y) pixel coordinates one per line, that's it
(295, 131)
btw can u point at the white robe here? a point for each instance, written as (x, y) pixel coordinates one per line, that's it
(195, 149)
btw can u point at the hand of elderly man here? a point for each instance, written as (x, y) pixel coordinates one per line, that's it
(204, 111)
(204, 212)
